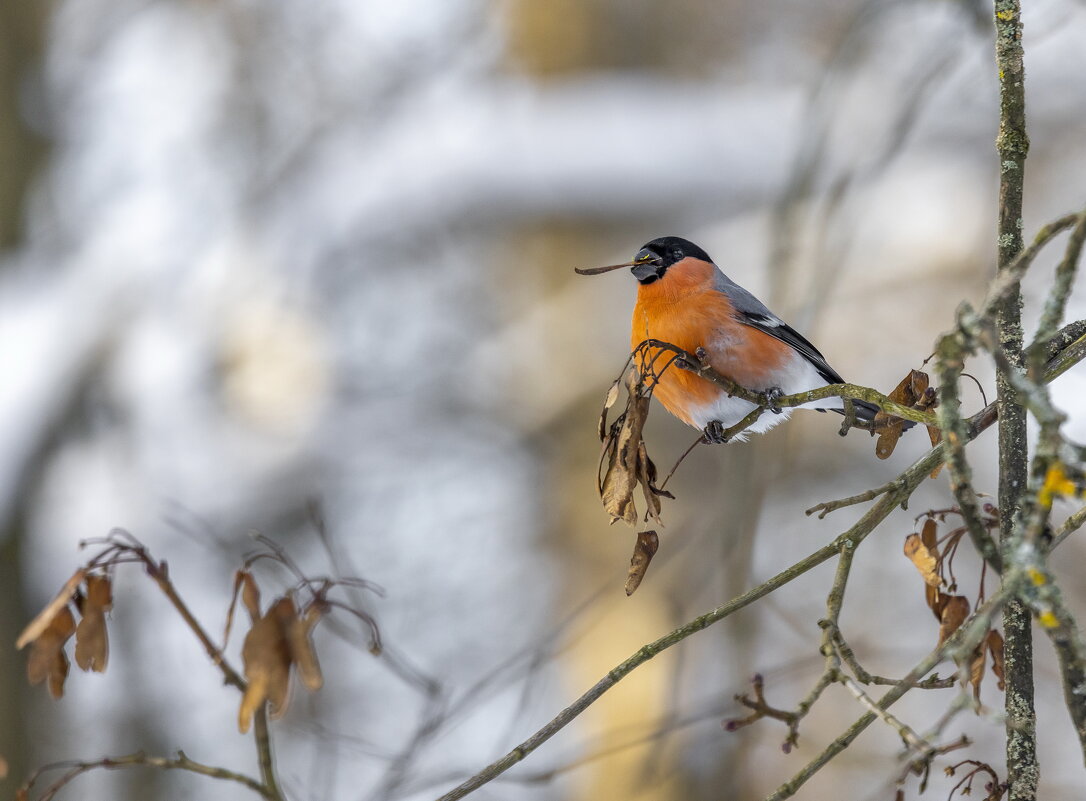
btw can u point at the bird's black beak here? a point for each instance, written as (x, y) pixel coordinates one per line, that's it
(646, 271)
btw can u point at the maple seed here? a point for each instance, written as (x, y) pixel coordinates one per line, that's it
(91, 640)
(47, 659)
(911, 392)
(301, 648)
(924, 558)
(994, 641)
(266, 658)
(954, 614)
(647, 544)
(45, 617)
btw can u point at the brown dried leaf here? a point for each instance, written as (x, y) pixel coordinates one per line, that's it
(976, 669)
(266, 657)
(622, 473)
(935, 600)
(609, 401)
(954, 613)
(924, 558)
(647, 544)
(908, 392)
(91, 639)
(646, 477)
(994, 641)
(889, 433)
(929, 535)
(47, 659)
(250, 594)
(301, 648)
(44, 618)
(918, 387)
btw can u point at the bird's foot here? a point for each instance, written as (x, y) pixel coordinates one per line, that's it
(714, 433)
(770, 398)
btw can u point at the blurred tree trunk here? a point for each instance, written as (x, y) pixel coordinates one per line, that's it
(22, 33)
(1012, 144)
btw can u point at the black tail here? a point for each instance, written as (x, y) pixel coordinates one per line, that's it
(866, 412)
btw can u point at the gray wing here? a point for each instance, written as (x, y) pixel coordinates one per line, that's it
(754, 313)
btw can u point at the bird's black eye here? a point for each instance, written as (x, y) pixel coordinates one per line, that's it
(677, 254)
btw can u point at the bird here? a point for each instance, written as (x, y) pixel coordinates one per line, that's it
(686, 300)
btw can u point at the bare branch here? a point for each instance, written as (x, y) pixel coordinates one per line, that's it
(180, 762)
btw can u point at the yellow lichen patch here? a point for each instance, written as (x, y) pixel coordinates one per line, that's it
(1048, 619)
(1036, 576)
(1056, 483)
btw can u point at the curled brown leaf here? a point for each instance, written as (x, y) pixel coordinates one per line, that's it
(909, 392)
(648, 542)
(994, 641)
(266, 659)
(955, 611)
(976, 669)
(925, 560)
(47, 659)
(621, 477)
(91, 638)
(298, 630)
(45, 617)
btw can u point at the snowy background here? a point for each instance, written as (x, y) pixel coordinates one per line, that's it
(261, 255)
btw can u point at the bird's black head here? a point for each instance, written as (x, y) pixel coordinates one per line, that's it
(652, 261)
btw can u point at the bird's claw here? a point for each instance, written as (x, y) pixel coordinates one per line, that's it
(770, 398)
(714, 433)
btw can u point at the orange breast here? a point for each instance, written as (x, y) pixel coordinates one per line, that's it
(686, 310)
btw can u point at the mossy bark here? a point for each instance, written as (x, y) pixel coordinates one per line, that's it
(1013, 145)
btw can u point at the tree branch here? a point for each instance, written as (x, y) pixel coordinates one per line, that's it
(180, 762)
(910, 480)
(1013, 144)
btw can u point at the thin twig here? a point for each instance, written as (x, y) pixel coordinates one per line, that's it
(180, 762)
(912, 477)
(965, 638)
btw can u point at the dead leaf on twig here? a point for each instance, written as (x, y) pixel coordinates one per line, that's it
(912, 392)
(266, 657)
(976, 668)
(47, 659)
(91, 639)
(994, 641)
(45, 617)
(647, 544)
(955, 611)
(627, 459)
(925, 556)
(301, 647)
(277, 640)
(621, 448)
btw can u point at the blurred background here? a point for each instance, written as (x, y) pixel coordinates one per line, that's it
(261, 256)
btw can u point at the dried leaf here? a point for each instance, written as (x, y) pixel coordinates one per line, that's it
(908, 392)
(954, 613)
(976, 669)
(646, 477)
(994, 641)
(301, 647)
(47, 659)
(609, 401)
(266, 657)
(621, 477)
(925, 560)
(647, 544)
(91, 639)
(918, 387)
(889, 434)
(250, 593)
(929, 535)
(44, 618)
